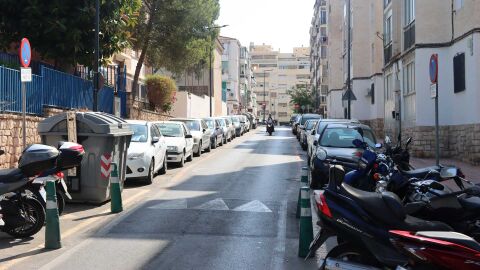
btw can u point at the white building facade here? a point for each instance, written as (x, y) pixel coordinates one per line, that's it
(231, 74)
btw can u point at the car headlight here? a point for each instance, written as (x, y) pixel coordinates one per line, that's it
(136, 156)
(172, 148)
(321, 154)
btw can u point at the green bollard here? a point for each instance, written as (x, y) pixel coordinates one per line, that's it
(306, 228)
(115, 191)
(52, 227)
(298, 203)
(304, 178)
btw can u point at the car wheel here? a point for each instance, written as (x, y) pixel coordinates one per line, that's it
(149, 178)
(209, 148)
(181, 163)
(221, 141)
(214, 143)
(199, 151)
(164, 168)
(190, 157)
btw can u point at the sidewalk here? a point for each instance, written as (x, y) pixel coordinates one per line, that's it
(471, 172)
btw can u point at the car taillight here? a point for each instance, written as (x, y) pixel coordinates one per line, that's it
(358, 154)
(60, 174)
(376, 177)
(322, 206)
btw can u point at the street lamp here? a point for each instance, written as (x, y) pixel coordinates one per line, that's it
(264, 93)
(210, 66)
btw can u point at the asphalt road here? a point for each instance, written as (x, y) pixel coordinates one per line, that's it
(231, 209)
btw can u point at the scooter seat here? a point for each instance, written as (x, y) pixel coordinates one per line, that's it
(469, 202)
(453, 237)
(415, 224)
(385, 207)
(422, 172)
(10, 175)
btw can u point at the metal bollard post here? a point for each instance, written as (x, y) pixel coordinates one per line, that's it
(52, 227)
(306, 228)
(115, 191)
(304, 178)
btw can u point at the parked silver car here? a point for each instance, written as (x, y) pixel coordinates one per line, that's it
(306, 131)
(200, 132)
(230, 126)
(227, 132)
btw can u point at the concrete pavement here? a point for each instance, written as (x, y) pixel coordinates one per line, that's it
(231, 209)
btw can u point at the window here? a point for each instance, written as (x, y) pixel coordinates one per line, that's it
(388, 29)
(459, 72)
(139, 133)
(388, 87)
(409, 78)
(224, 67)
(323, 16)
(409, 11)
(458, 4)
(372, 93)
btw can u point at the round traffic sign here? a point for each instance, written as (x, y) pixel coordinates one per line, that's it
(433, 67)
(25, 53)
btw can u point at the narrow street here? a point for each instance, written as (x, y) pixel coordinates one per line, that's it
(232, 209)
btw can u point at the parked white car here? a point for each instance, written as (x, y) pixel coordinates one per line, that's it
(179, 141)
(200, 132)
(147, 153)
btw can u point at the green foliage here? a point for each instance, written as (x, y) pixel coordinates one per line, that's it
(63, 30)
(161, 91)
(178, 33)
(302, 96)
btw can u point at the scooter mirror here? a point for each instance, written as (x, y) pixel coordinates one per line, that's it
(448, 172)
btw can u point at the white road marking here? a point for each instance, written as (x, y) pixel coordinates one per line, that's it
(174, 204)
(253, 206)
(217, 204)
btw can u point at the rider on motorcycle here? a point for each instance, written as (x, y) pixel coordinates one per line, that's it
(271, 122)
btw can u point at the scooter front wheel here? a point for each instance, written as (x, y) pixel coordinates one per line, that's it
(32, 216)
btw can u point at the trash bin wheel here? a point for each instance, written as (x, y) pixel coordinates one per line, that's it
(149, 178)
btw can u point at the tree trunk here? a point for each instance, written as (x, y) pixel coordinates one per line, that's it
(143, 53)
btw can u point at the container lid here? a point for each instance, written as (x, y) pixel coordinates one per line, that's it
(88, 124)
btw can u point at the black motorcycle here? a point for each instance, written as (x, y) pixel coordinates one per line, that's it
(270, 129)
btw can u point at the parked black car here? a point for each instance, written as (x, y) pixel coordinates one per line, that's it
(336, 139)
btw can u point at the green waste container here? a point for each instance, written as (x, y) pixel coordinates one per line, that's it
(105, 138)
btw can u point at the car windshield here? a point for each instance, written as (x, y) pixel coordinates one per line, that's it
(139, 133)
(210, 124)
(193, 125)
(222, 122)
(171, 129)
(309, 125)
(343, 137)
(305, 118)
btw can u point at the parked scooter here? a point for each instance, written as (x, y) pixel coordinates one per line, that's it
(70, 156)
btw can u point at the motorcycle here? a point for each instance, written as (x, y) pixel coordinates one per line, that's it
(270, 128)
(361, 221)
(70, 156)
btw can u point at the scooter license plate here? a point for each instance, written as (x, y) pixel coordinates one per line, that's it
(43, 193)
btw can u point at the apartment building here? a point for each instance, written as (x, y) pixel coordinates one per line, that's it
(413, 31)
(319, 54)
(275, 73)
(231, 73)
(334, 59)
(247, 81)
(193, 96)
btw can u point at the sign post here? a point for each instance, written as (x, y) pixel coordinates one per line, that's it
(25, 56)
(434, 94)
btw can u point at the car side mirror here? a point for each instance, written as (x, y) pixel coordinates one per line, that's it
(313, 132)
(188, 136)
(155, 140)
(315, 143)
(204, 130)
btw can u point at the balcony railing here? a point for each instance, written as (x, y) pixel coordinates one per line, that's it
(409, 36)
(387, 53)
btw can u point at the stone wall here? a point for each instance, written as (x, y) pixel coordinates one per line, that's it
(460, 142)
(377, 127)
(137, 112)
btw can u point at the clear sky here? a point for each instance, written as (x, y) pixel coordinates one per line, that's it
(284, 24)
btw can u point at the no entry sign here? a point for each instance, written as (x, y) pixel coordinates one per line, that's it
(25, 53)
(433, 67)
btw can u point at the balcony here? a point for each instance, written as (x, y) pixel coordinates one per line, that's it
(387, 53)
(409, 36)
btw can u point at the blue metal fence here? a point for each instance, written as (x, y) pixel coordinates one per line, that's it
(58, 89)
(11, 92)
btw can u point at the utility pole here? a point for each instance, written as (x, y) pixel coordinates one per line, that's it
(349, 15)
(264, 96)
(317, 99)
(210, 78)
(97, 55)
